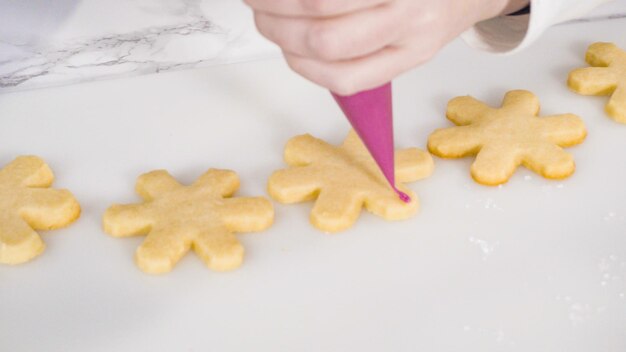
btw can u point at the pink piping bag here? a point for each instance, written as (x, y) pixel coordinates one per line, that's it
(371, 115)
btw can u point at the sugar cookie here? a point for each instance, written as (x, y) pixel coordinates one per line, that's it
(344, 179)
(176, 218)
(606, 77)
(27, 203)
(504, 138)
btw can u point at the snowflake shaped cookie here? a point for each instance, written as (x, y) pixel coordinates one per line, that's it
(28, 204)
(503, 139)
(176, 218)
(606, 77)
(344, 179)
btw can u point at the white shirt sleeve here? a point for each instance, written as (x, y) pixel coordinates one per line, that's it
(507, 34)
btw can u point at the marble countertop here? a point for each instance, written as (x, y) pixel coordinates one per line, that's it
(49, 43)
(534, 265)
(45, 43)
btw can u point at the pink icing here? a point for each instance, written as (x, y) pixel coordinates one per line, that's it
(403, 196)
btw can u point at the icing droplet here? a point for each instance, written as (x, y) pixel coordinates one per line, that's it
(404, 197)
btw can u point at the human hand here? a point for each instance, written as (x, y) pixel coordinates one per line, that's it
(354, 45)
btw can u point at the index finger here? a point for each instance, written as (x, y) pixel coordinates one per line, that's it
(312, 8)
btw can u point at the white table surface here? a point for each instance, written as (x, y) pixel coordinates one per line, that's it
(535, 265)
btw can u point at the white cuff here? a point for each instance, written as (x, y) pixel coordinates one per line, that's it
(499, 35)
(509, 34)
